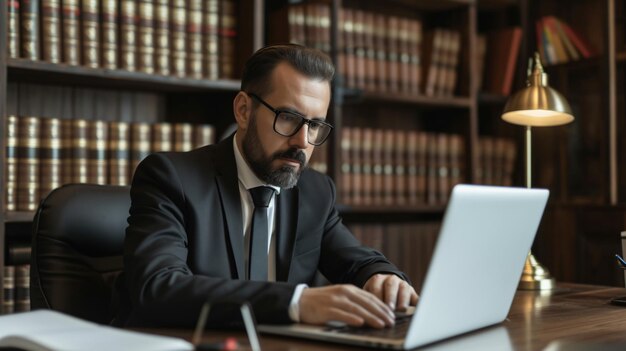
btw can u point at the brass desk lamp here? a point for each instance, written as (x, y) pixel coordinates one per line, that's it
(537, 105)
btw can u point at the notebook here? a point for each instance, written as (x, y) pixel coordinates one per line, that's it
(485, 236)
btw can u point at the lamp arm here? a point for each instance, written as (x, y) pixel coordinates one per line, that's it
(528, 157)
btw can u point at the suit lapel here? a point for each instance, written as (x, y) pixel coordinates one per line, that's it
(228, 185)
(287, 220)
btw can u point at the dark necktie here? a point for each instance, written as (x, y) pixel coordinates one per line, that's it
(261, 197)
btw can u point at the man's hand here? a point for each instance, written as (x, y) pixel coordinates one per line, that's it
(391, 289)
(344, 303)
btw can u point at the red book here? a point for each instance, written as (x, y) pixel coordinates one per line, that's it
(578, 41)
(502, 50)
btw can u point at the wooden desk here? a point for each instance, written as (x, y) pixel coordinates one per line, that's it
(572, 313)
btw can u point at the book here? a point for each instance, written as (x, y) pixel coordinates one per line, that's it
(228, 38)
(204, 134)
(47, 330)
(210, 38)
(98, 132)
(13, 28)
(502, 50)
(194, 39)
(11, 163)
(108, 22)
(8, 289)
(145, 41)
(89, 15)
(51, 30)
(70, 29)
(22, 288)
(162, 37)
(128, 35)
(29, 31)
(140, 144)
(178, 37)
(28, 164)
(50, 173)
(581, 44)
(119, 155)
(183, 136)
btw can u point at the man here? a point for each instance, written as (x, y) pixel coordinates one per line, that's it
(189, 235)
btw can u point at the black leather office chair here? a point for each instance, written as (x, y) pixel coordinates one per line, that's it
(78, 236)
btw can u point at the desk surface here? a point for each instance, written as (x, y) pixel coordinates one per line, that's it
(571, 313)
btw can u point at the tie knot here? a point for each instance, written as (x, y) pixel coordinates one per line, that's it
(261, 196)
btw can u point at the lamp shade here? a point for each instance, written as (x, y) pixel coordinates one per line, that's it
(537, 105)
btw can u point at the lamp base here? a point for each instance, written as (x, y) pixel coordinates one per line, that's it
(535, 276)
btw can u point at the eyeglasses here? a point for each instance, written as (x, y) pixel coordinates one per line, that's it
(288, 123)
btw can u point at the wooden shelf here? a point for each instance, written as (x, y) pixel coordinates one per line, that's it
(352, 96)
(19, 216)
(24, 70)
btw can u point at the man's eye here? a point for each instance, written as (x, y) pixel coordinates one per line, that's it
(315, 125)
(288, 117)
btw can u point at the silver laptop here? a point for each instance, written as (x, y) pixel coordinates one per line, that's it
(487, 232)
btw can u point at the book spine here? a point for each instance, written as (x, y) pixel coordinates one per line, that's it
(411, 168)
(204, 135)
(79, 151)
(70, 21)
(51, 30)
(370, 51)
(145, 42)
(8, 288)
(356, 167)
(119, 154)
(178, 37)
(400, 166)
(348, 30)
(140, 144)
(22, 288)
(128, 35)
(50, 173)
(13, 28)
(393, 54)
(162, 37)
(11, 163)
(183, 136)
(162, 136)
(29, 33)
(380, 36)
(228, 37)
(67, 163)
(210, 35)
(377, 166)
(366, 165)
(359, 49)
(28, 164)
(415, 37)
(346, 166)
(194, 39)
(90, 13)
(109, 19)
(97, 152)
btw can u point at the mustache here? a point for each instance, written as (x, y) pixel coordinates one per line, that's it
(293, 154)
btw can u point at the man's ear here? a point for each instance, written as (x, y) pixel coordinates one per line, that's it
(242, 107)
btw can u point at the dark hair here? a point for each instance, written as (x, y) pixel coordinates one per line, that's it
(259, 67)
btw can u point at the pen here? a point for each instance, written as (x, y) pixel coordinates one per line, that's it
(621, 261)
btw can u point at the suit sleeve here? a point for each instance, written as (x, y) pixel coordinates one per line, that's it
(162, 288)
(343, 259)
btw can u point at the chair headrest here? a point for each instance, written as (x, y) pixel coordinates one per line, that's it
(91, 218)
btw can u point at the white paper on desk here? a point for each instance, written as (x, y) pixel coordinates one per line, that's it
(46, 330)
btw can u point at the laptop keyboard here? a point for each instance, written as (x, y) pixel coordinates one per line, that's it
(399, 330)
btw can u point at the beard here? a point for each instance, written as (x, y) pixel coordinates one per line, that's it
(284, 176)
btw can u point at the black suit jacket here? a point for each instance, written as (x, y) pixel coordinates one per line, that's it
(184, 242)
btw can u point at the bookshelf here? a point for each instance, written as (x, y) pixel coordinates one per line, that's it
(452, 110)
(49, 87)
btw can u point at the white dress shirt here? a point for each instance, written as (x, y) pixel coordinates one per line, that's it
(248, 180)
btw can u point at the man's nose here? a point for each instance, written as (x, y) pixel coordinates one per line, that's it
(300, 139)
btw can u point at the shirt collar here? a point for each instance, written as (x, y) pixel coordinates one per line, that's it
(245, 174)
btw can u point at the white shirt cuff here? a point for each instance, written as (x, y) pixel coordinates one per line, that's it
(294, 305)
